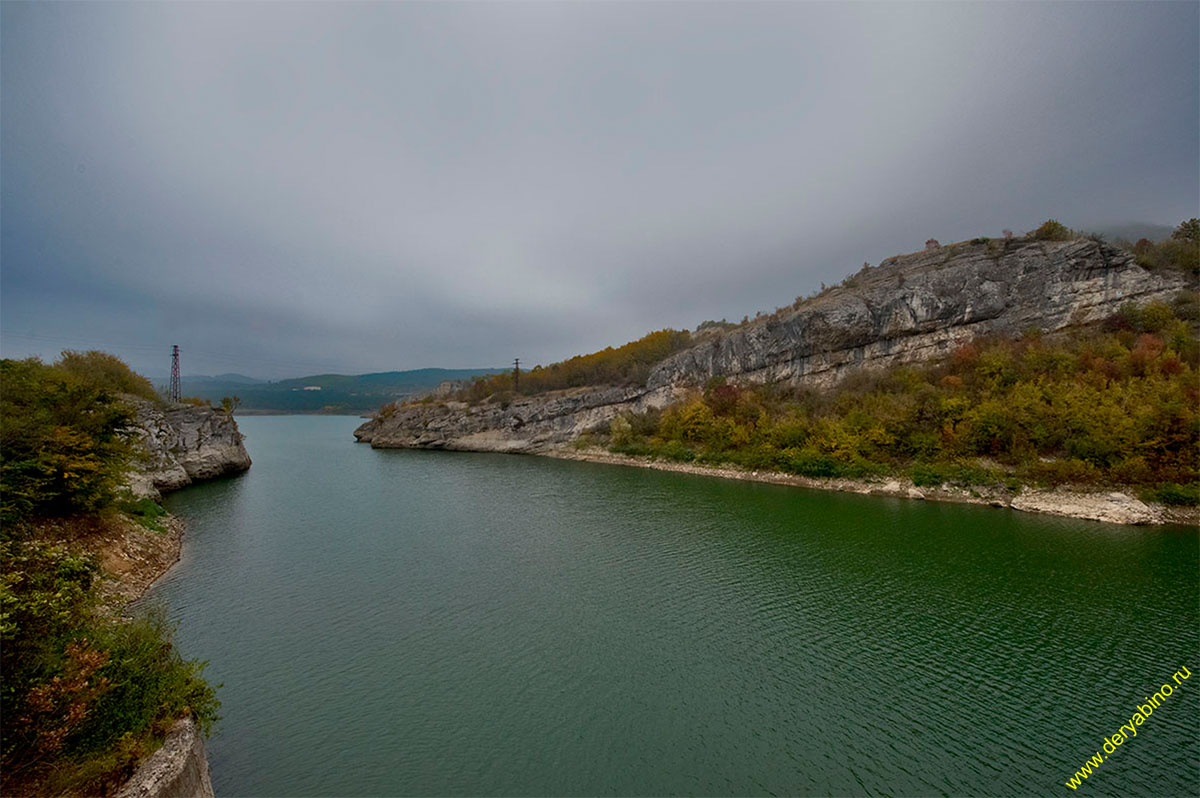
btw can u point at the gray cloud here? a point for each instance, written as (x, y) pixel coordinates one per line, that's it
(287, 188)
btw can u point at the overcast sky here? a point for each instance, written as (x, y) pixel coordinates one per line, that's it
(284, 189)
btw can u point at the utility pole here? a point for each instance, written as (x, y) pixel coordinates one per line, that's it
(176, 393)
(516, 375)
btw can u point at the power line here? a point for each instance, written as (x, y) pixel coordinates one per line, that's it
(176, 391)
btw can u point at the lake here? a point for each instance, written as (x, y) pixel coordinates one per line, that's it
(436, 623)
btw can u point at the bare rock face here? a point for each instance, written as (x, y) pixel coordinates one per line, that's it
(922, 306)
(184, 444)
(177, 770)
(909, 309)
(526, 425)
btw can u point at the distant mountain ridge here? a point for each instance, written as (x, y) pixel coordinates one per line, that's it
(323, 393)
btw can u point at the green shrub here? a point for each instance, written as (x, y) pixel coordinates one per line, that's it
(928, 474)
(633, 449)
(1173, 493)
(83, 691)
(621, 431)
(150, 683)
(1180, 252)
(65, 442)
(146, 512)
(676, 451)
(810, 463)
(108, 372)
(1052, 230)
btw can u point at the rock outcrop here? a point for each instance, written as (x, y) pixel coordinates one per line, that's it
(183, 444)
(180, 444)
(921, 306)
(528, 424)
(910, 308)
(1112, 508)
(177, 770)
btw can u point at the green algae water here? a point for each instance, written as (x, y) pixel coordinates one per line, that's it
(427, 623)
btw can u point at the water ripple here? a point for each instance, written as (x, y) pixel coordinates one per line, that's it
(423, 623)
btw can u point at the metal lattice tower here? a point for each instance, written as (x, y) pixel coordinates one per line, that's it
(176, 393)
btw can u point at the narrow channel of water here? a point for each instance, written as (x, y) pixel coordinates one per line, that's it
(424, 623)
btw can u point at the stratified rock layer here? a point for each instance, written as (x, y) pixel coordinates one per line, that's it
(183, 444)
(177, 770)
(921, 306)
(909, 309)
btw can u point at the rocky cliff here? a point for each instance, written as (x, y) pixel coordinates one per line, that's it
(910, 308)
(183, 444)
(177, 770)
(917, 307)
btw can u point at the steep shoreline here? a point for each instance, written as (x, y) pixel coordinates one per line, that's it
(1112, 507)
(184, 445)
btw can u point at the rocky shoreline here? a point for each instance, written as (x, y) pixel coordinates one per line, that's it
(183, 445)
(1113, 507)
(910, 309)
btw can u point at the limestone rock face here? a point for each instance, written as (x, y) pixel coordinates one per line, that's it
(177, 770)
(908, 309)
(917, 307)
(184, 444)
(528, 424)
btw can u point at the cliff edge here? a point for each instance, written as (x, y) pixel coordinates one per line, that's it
(910, 308)
(183, 444)
(177, 770)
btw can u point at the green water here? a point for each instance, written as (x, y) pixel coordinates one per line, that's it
(425, 623)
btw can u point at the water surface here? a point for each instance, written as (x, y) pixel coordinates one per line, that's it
(426, 623)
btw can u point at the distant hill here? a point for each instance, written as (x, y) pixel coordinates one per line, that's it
(239, 378)
(1132, 231)
(323, 393)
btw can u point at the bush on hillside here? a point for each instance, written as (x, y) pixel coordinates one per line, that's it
(1114, 405)
(625, 365)
(1180, 252)
(109, 372)
(1052, 230)
(64, 439)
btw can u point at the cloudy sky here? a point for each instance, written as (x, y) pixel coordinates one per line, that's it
(290, 188)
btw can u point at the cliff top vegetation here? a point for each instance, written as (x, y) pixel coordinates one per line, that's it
(84, 693)
(624, 365)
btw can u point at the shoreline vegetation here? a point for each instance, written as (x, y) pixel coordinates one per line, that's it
(1089, 412)
(90, 687)
(1110, 506)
